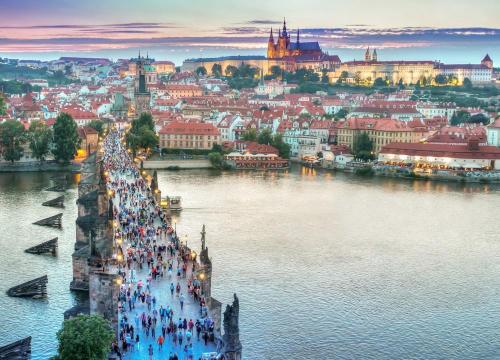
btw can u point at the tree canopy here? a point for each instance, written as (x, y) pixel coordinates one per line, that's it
(97, 125)
(40, 138)
(66, 140)
(363, 147)
(217, 70)
(142, 133)
(201, 71)
(12, 137)
(85, 337)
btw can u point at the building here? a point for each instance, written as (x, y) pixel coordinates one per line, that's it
(471, 156)
(189, 135)
(301, 143)
(380, 131)
(179, 91)
(164, 67)
(284, 47)
(287, 54)
(89, 140)
(493, 131)
(142, 97)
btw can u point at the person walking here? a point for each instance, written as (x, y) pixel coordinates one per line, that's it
(150, 352)
(160, 342)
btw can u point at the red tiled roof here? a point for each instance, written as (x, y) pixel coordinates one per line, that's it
(442, 150)
(189, 128)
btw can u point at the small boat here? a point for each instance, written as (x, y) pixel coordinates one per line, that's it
(172, 203)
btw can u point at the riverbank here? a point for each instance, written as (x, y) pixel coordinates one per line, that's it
(47, 166)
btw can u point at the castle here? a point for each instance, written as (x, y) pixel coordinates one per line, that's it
(284, 48)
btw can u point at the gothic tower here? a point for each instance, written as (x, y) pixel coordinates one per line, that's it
(374, 55)
(368, 56)
(270, 46)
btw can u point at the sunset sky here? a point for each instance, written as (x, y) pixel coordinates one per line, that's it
(187, 28)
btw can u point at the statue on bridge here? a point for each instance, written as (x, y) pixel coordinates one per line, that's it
(231, 337)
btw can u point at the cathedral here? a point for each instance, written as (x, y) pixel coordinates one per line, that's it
(285, 48)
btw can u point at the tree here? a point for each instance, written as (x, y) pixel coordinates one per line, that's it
(341, 114)
(217, 70)
(216, 160)
(283, 147)
(201, 71)
(2, 105)
(66, 139)
(142, 133)
(357, 77)
(276, 71)
(343, 77)
(379, 82)
(265, 137)
(97, 125)
(250, 135)
(12, 138)
(324, 77)
(363, 147)
(40, 137)
(467, 84)
(231, 71)
(85, 337)
(479, 119)
(441, 79)
(460, 117)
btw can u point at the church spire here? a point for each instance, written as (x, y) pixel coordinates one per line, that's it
(284, 28)
(271, 38)
(298, 36)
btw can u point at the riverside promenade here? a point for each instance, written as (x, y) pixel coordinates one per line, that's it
(163, 311)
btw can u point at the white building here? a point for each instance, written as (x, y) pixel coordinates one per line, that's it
(493, 131)
(301, 143)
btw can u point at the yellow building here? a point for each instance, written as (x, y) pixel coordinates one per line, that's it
(380, 131)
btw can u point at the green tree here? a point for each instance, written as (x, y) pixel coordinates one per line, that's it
(357, 77)
(363, 147)
(250, 135)
(97, 125)
(142, 133)
(276, 71)
(201, 71)
(66, 139)
(265, 137)
(324, 77)
(343, 77)
(85, 337)
(216, 160)
(40, 137)
(341, 114)
(283, 147)
(479, 119)
(467, 84)
(231, 71)
(12, 136)
(217, 70)
(460, 117)
(379, 82)
(2, 105)
(441, 79)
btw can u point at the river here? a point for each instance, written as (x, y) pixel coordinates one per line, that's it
(326, 266)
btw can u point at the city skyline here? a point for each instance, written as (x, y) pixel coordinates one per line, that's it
(191, 28)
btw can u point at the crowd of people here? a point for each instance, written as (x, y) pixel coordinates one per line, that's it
(157, 271)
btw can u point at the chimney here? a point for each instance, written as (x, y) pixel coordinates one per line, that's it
(473, 144)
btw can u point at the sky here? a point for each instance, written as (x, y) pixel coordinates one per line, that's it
(450, 30)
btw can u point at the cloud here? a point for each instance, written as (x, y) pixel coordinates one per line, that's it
(263, 22)
(128, 35)
(134, 25)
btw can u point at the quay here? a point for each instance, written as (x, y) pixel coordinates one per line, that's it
(153, 288)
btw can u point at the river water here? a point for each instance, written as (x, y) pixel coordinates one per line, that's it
(326, 266)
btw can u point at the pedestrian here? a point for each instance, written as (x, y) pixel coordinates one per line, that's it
(160, 342)
(150, 352)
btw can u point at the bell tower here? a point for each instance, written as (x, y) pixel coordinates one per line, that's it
(271, 49)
